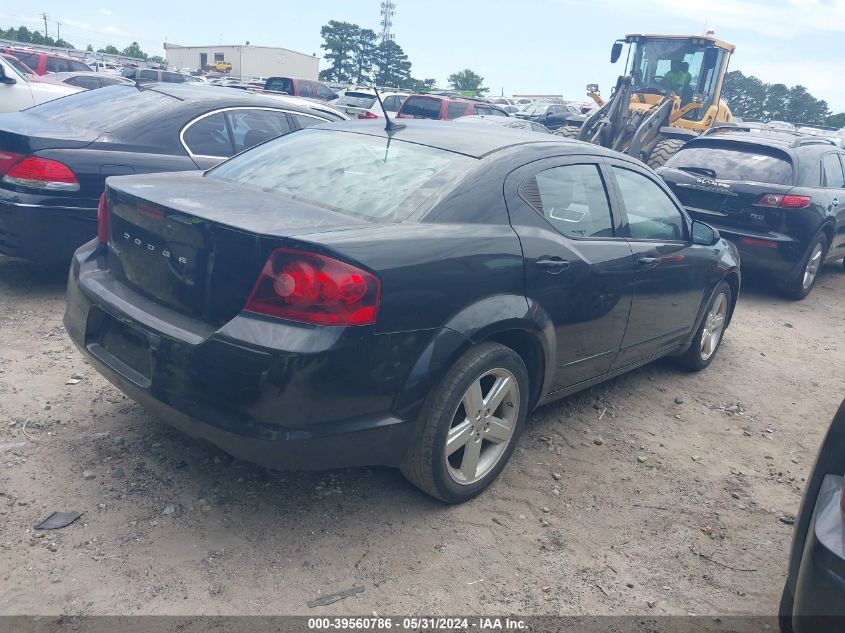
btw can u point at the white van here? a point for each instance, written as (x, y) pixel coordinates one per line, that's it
(18, 91)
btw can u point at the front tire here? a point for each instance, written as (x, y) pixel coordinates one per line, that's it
(800, 285)
(568, 131)
(710, 333)
(470, 424)
(663, 151)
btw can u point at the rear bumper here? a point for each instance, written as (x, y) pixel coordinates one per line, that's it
(819, 595)
(44, 229)
(763, 250)
(270, 392)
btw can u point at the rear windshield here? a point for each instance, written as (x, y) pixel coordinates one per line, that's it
(422, 107)
(106, 109)
(367, 177)
(755, 164)
(357, 100)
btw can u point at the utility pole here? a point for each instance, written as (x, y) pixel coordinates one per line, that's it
(58, 31)
(44, 15)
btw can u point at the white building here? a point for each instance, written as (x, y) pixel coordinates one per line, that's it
(247, 61)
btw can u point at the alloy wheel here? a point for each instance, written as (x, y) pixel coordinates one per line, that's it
(813, 265)
(482, 426)
(714, 326)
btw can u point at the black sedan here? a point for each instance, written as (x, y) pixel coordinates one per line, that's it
(346, 295)
(55, 157)
(778, 195)
(551, 115)
(814, 595)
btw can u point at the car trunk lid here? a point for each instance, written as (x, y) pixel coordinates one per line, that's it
(198, 244)
(26, 133)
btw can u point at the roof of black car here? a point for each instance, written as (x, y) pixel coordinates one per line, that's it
(779, 139)
(193, 92)
(471, 140)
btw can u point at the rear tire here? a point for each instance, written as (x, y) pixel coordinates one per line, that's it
(801, 283)
(785, 608)
(568, 131)
(459, 453)
(708, 338)
(663, 151)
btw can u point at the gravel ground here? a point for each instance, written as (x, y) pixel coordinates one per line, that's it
(659, 492)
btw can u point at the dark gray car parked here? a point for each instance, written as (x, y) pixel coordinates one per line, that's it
(814, 595)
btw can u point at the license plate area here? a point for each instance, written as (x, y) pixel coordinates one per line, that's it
(121, 347)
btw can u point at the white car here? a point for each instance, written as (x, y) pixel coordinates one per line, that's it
(361, 103)
(19, 91)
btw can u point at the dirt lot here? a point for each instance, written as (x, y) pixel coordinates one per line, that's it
(659, 492)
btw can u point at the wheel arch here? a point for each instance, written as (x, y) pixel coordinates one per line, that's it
(733, 280)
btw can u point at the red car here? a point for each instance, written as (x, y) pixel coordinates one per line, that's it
(43, 63)
(439, 107)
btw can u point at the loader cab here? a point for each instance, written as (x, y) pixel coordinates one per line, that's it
(691, 67)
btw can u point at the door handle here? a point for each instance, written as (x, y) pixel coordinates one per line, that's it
(552, 265)
(649, 262)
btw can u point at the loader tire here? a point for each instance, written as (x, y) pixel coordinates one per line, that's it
(568, 131)
(663, 151)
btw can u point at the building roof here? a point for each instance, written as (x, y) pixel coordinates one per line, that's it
(168, 46)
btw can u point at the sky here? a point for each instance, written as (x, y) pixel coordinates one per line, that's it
(518, 46)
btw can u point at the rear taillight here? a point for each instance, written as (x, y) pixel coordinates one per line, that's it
(103, 219)
(311, 288)
(41, 173)
(781, 201)
(7, 160)
(368, 115)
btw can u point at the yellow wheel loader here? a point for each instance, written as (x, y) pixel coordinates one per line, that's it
(670, 93)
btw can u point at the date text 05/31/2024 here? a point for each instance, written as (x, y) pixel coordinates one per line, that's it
(385, 623)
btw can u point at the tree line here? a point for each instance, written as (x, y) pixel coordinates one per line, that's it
(357, 57)
(752, 98)
(26, 36)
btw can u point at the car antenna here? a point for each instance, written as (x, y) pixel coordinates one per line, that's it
(389, 124)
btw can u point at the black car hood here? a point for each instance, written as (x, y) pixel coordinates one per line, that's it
(231, 204)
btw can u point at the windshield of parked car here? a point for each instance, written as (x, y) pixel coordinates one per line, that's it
(736, 163)
(18, 65)
(373, 178)
(105, 109)
(357, 100)
(537, 109)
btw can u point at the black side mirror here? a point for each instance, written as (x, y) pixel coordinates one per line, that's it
(5, 79)
(615, 52)
(704, 234)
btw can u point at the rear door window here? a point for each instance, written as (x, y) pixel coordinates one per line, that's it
(572, 198)
(209, 136)
(56, 65)
(456, 109)
(734, 162)
(84, 81)
(251, 127)
(392, 103)
(280, 84)
(832, 170)
(305, 120)
(423, 107)
(651, 213)
(173, 78)
(323, 92)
